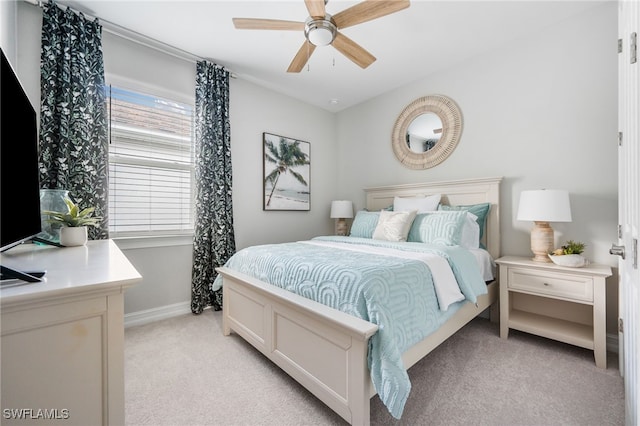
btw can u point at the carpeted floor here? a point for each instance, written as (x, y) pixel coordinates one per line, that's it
(183, 371)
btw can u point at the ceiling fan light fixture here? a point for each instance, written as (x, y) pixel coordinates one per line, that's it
(320, 32)
(321, 29)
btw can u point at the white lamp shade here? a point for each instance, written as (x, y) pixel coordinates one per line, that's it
(341, 209)
(545, 205)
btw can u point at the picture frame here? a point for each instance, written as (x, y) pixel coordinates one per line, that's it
(286, 173)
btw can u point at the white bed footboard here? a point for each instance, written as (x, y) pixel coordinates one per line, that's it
(323, 349)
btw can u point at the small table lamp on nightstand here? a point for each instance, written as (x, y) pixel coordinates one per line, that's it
(341, 210)
(544, 206)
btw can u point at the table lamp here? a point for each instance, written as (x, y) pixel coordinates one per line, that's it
(544, 206)
(341, 210)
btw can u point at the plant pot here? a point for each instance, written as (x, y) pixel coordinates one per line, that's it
(570, 260)
(73, 236)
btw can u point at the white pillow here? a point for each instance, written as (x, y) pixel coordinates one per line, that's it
(393, 225)
(420, 204)
(470, 235)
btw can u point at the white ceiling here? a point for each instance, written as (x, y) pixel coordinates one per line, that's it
(410, 44)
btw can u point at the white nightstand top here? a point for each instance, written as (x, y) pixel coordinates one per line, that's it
(590, 269)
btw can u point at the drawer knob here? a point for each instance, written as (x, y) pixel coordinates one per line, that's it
(547, 284)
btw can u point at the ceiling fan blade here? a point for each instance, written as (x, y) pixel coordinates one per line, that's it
(301, 57)
(368, 10)
(267, 24)
(352, 50)
(315, 8)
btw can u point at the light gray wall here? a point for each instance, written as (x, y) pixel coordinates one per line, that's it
(541, 111)
(8, 39)
(26, 40)
(255, 110)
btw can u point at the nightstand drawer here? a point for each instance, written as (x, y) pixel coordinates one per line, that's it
(564, 286)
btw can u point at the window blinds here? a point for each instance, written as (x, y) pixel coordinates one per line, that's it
(150, 164)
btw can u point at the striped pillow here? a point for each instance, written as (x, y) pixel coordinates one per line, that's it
(364, 224)
(480, 210)
(443, 227)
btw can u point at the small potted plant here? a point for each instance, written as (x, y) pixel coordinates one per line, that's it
(570, 254)
(73, 222)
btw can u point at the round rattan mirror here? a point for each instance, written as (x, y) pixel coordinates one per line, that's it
(417, 141)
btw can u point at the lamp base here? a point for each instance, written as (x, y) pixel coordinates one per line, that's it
(541, 241)
(341, 227)
(540, 258)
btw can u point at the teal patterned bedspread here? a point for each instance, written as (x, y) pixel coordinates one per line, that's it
(395, 293)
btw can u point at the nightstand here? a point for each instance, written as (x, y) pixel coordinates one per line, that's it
(560, 303)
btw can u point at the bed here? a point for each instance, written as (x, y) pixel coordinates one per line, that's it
(325, 349)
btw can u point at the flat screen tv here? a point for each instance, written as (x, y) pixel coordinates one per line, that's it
(19, 180)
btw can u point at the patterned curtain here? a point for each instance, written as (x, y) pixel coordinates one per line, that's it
(214, 240)
(73, 119)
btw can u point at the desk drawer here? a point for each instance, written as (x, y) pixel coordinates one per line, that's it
(563, 286)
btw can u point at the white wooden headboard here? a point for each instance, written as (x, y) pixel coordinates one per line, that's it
(454, 192)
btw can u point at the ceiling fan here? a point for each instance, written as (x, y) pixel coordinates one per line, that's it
(321, 28)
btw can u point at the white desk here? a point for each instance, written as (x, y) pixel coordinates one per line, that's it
(62, 345)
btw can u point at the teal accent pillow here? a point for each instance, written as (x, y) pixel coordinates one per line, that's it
(480, 210)
(438, 228)
(364, 224)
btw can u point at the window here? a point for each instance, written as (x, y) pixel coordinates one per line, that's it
(151, 170)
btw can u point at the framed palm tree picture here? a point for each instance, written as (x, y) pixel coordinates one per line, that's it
(286, 173)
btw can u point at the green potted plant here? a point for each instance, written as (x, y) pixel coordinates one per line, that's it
(73, 222)
(570, 254)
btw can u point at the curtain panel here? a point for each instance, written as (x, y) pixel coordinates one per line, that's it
(214, 239)
(73, 116)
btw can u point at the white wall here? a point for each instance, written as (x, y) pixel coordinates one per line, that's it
(541, 111)
(8, 42)
(255, 110)
(26, 40)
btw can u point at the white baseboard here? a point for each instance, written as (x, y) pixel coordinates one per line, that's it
(156, 314)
